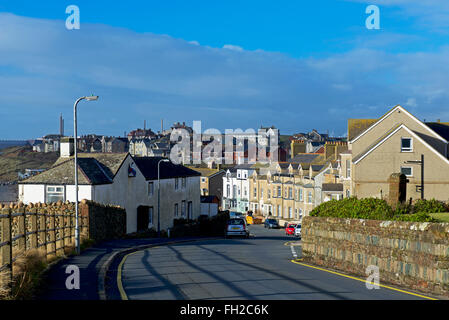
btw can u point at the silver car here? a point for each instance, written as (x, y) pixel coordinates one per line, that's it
(298, 230)
(236, 227)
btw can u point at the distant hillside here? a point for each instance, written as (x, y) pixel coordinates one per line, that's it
(11, 143)
(15, 159)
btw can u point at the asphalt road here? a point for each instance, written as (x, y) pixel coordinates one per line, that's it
(256, 268)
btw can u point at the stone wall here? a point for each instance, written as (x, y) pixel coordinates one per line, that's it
(414, 255)
(104, 221)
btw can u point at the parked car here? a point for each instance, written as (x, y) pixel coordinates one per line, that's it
(298, 230)
(290, 229)
(236, 227)
(271, 224)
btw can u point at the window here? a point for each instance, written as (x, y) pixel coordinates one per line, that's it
(150, 217)
(348, 168)
(183, 208)
(310, 197)
(261, 193)
(203, 179)
(279, 192)
(245, 192)
(406, 145)
(290, 194)
(348, 193)
(176, 183)
(300, 194)
(176, 212)
(54, 194)
(184, 182)
(279, 210)
(269, 193)
(150, 188)
(255, 192)
(408, 171)
(234, 191)
(290, 213)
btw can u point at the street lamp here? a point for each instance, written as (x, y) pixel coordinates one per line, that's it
(159, 196)
(77, 233)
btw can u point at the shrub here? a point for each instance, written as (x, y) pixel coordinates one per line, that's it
(429, 206)
(378, 209)
(368, 208)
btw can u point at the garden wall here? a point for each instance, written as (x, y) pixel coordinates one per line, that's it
(411, 254)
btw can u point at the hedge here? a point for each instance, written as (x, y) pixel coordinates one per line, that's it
(378, 209)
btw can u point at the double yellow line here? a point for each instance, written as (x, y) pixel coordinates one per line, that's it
(297, 261)
(122, 291)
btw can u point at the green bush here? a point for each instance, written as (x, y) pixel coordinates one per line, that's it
(378, 209)
(429, 206)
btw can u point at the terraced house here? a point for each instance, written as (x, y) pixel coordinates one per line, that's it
(289, 191)
(394, 143)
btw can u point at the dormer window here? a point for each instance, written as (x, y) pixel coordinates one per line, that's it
(406, 145)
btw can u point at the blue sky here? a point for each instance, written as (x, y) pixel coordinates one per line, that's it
(232, 64)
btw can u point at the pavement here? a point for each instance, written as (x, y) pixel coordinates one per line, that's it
(89, 263)
(258, 268)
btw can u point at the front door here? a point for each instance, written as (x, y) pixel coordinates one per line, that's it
(143, 218)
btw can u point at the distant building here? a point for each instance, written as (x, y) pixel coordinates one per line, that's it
(209, 205)
(115, 144)
(140, 134)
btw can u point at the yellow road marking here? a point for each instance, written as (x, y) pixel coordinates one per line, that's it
(123, 294)
(354, 278)
(289, 243)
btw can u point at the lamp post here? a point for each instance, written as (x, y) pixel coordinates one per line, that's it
(75, 135)
(159, 196)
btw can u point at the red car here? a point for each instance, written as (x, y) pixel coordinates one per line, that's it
(290, 230)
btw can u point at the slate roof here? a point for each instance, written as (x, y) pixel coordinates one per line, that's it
(441, 128)
(149, 167)
(206, 172)
(332, 187)
(93, 169)
(304, 158)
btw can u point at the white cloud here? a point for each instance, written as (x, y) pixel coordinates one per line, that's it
(232, 47)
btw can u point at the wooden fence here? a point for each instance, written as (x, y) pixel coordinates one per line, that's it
(50, 229)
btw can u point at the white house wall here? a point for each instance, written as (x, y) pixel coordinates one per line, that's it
(132, 192)
(31, 193)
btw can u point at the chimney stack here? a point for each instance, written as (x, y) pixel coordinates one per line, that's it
(61, 126)
(67, 147)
